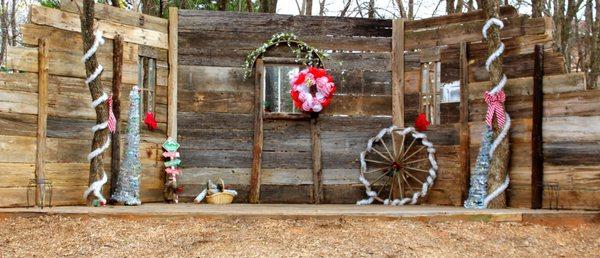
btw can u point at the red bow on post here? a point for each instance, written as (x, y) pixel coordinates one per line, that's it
(495, 104)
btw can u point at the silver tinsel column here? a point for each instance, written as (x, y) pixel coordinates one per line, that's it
(127, 190)
(479, 178)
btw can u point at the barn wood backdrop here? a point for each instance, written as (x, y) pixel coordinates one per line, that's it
(216, 106)
(69, 112)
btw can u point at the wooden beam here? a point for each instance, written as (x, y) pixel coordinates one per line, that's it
(115, 161)
(465, 163)
(42, 120)
(119, 15)
(69, 21)
(257, 147)
(317, 164)
(286, 116)
(172, 79)
(397, 87)
(398, 73)
(537, 154)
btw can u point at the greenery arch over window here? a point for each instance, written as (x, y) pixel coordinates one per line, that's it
(304, 53)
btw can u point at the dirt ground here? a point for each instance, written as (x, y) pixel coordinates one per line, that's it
(54, 235)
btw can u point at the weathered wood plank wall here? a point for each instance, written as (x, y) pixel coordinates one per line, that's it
(70, 115)
(216, 107)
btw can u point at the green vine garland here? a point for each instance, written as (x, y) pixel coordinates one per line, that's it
(303, 52)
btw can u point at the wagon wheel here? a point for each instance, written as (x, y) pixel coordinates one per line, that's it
(398, 166)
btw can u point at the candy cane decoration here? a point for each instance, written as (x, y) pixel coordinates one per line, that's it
(96, 187)
(495, 100)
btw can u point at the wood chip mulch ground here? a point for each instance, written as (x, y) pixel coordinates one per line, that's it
(50, 236)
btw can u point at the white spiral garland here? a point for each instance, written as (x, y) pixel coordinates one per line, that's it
(494, 91)
(415, 196)
(96, 187)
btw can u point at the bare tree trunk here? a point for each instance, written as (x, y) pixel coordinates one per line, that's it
(249, 6)
(536, 8)
(321, 7)
(4, 27)
(268, 6)
(411, 6)
(87, 34)
(470, 5)
(401, 8)
(564, 20)
(309, 6)
(13, 23)
(499, 164)
(346, 7)
(594, 73)
(222, 5)
(450, 6)
(371, 11)
(459, 6)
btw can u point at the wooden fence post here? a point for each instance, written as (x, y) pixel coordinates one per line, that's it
(465, 141)
(42, 119)
(172, 79)
(397, 86)
(257, 147)
(537, 154)
(115, 158)
(317, 165)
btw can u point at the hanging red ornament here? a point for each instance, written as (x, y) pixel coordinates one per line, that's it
(150, 121)
(421, 123)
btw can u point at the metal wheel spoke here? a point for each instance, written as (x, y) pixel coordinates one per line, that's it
(383, 186)
(375, 170)
(376, 161)
(379, 178)
(417, 151)
(415, 161)
(409, 147)
(394, 146)
(401, 188)
(381, 154)
(401, 149)
(406, 181)
(418, 169)
(415, 178)
(387, 150)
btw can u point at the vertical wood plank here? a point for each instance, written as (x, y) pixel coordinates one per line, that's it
(397, 86)
(537, 155)
(172, 79)
(115, 161)
(42, 119)
(465, 155)
(398, 72)
(257, 147)
(317, 165)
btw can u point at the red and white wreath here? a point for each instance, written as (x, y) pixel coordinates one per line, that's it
(312, 89)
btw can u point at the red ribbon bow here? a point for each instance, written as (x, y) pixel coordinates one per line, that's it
(495, 107)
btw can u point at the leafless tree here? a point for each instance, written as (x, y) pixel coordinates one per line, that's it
(346, 7)
(321, 7)
(4, 27)
(309, 6)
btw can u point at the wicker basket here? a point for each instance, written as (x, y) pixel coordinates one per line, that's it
(220, 198)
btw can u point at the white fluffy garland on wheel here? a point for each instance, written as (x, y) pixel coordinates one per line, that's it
(96, 187)
(432, 171)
